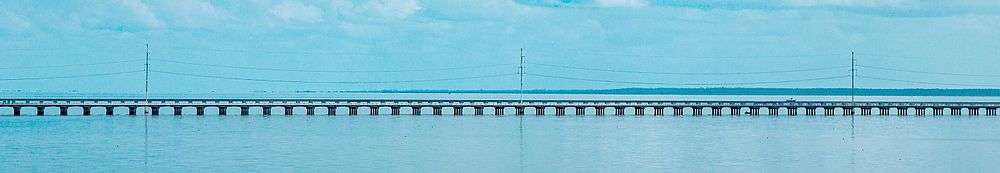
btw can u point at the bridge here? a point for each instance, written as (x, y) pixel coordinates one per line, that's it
(310, 106)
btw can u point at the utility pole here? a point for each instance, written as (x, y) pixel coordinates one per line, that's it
(520, 72)
(146, 91)
(853, 70)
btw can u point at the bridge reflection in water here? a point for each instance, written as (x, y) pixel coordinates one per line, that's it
(496, 107)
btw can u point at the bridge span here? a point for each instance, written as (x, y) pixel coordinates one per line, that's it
(243, 106)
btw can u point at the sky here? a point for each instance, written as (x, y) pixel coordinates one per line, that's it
(199, 46)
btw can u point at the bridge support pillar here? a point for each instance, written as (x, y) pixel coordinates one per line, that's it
(920, 111)
(599, 111)
(223, 111)
(244, 111)
(86, 111)
(519, 110)
(810, 111)
(436, 110)
(415, 110)
(696, 111)
(883, 111)
(991, 111)
(310, 110)
(131, 110)
(956, 111)
(265, 110)
(938, 111)
(901, 111)
(792, 111)
(479, 110)
(640, 111)
(973, 111)
(178, 110)
(198, 110)
(539, 110)
(352, 110)
(657, 111)
(829, 111)
(394, 110)
(40, 111)
(619, 111)
(331, 110)
(848, 111)
(772, 111)
(63, 111)
(560, 111)
(866, 111)
(373, 110)
(109, 110)
(498, 110)
(678, 111)
(716, 111)
(735, 111)
(580, 110)
(156, 110)
(288, 110)
(457, 111)
(17, 111)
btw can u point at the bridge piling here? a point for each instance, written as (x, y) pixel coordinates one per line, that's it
(938, 111)
(478, 110)
(848, 110)
(436, 110)
(792, 111)
(39, 111)
(199, 110)
(17, 111)
(156, 110)
(599, 111)
(86, 111)
(640, 111)
(373, 110)
(580, 111)
(867, 111)
(716, 111)
(394, 110)
(178, 110)
(352, 111)
(735, 111)
(657, 111)
(827, 111)
(415, 110)
(331, 110)
(311, 110)
(288, 110)
(519, 110)
(457, 111)
(560, 111)
(539, 110)
(772, 111)
(902, 111)
(244, 111)
(498, 110)
(955, 111)
(266, 110)
(991, 111)
(920, 111)
(678, 111)
(810, 111)
(131, 110)
(619, 111)
(973, 111)
(109, 110)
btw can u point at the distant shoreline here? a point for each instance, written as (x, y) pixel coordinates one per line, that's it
(727, 91)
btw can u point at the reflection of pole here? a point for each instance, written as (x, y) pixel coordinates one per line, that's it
(520, 119)
(145, 116)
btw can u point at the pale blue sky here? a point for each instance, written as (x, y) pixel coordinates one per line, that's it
(673, 43)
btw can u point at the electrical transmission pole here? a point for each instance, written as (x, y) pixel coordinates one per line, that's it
(520, 73)
(146, 91)
(853, 70)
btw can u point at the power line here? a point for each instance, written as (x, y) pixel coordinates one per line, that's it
(689, 73)
(598, 53)
(689, 84)
(332, 71)
(931, 83)
(70, 76)
(327, 82)
(927, 72)
(72, 65)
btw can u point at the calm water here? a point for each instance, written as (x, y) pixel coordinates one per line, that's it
(500, 144)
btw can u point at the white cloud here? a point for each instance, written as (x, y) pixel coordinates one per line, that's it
(194, 13)
(623, 3)
(381, 9)
(13, 22)
(864, 3)
(294, 11)
(142, 13)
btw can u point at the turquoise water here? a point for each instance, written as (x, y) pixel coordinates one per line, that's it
(500, 144)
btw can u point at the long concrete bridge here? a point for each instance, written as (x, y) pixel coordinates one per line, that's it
(87, 107)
